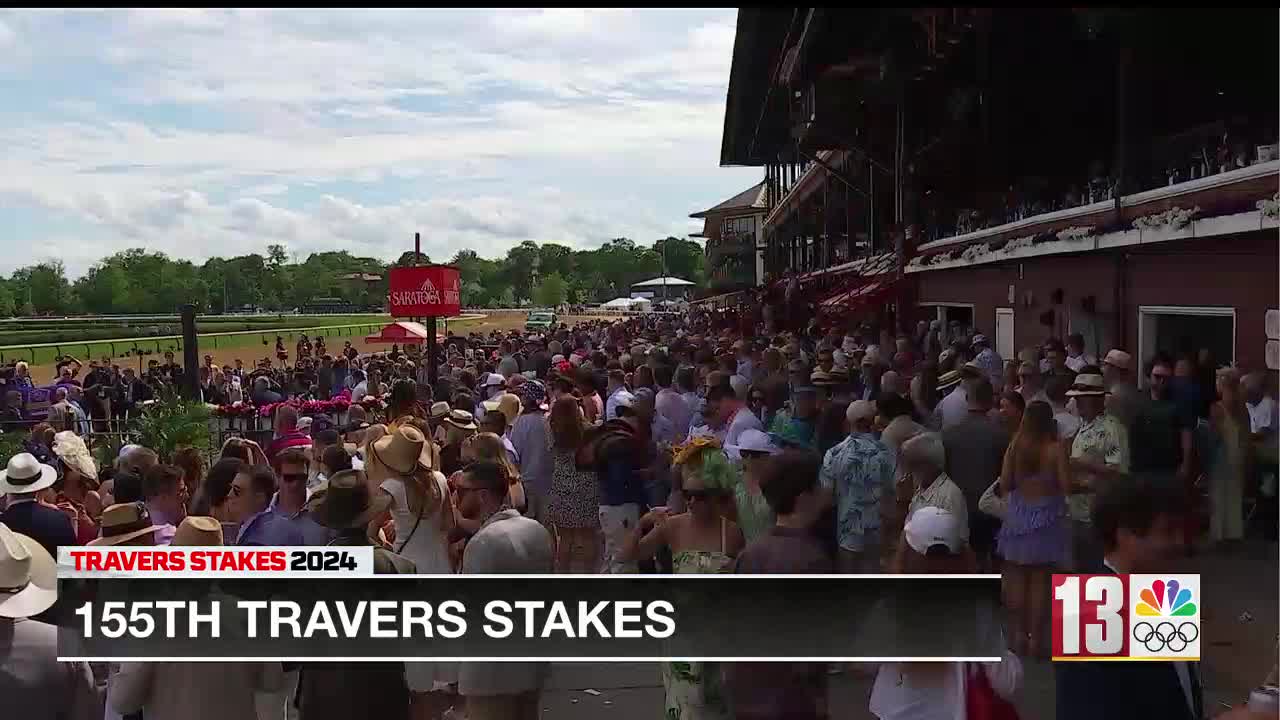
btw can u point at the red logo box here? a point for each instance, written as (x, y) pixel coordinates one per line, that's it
(1090, 617)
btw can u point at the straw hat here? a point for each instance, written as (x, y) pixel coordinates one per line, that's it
(123, 522)
(401, 452)
(71, 450)
(28, 576)
(507, 403)
(1087, 385)
(1119, 359)
(948, 379)
(439, 409)
(347, 502)
(462, 419)
(25, 474)
(198, 531)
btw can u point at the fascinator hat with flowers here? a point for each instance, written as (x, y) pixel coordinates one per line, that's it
(705, 456)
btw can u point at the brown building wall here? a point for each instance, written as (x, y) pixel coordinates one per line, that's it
(1238, 271)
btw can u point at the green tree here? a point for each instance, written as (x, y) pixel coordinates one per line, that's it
(474, 294)
(48, 291)
(684, 258)
(7, 303)
(551, 291)
(507, 298)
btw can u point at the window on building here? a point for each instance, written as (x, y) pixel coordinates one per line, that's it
(738, 226)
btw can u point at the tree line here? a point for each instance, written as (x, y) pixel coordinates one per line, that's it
(136, 281)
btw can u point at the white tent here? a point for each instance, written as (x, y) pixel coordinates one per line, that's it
(626, 302)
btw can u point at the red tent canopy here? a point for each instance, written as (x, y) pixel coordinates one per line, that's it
(405, 333)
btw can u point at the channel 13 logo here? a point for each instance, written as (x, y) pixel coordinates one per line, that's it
(1126, 617)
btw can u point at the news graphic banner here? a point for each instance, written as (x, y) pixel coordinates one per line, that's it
(1126, 617)
(318, 603)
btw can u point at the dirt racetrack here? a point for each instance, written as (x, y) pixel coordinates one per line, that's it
(251, 353)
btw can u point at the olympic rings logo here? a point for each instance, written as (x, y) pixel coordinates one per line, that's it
(1166, 635)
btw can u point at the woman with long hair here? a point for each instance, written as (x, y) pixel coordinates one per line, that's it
(592, 405)
(573, 505)
(702, 540)
(192, 463)
(1034, 537)
(1009, 413)
(211, 499)
(404, 400)
(489, 446)
(401, 466)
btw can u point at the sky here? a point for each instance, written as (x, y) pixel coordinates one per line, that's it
(206, 132)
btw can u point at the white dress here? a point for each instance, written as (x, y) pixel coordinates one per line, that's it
(429, 551)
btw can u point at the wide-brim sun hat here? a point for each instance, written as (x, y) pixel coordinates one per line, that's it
(198, 531)
(461, 419)
(1088, 386)
(949, 379)
(123, 522)
(752, 441)
(26, 474)
(402, 452)
(28, 576)
(72, 451)
(347, 502)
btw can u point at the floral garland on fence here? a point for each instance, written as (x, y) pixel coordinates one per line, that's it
(1075, 232)
(1270, 207)
(337, 405)
(1174, 218)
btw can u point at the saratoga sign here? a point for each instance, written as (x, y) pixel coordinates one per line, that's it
(427, 291)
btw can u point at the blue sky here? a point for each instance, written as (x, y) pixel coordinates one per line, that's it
(202, 133)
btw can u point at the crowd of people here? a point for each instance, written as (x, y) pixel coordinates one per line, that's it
(695, 443)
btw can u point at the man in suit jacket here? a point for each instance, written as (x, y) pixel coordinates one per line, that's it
(1140, 525)
(24, 480)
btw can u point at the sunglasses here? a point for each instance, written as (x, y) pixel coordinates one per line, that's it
(462, 490)
(293, 477)
(237, 491)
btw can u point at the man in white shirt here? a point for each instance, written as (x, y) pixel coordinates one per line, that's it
(731, 414)
(1262, 408)
(669, 404)
(953, 408)
(924, 461)
(616, 390)
(1076, 357)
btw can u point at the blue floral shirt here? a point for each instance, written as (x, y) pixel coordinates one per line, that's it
(857, 470)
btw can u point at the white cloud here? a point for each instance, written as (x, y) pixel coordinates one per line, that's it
(213, 132)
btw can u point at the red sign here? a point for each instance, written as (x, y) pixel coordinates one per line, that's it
(427, 291)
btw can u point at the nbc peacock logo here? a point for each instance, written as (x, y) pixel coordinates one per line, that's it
(1166, 599)
(1165, 617)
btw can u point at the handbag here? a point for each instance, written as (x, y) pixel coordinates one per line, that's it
(992, 504)
(981, 701)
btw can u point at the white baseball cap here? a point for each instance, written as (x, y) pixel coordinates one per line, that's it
(931, 526)
(752, 441)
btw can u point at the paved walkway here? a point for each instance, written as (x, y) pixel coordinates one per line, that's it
(1239, 627)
